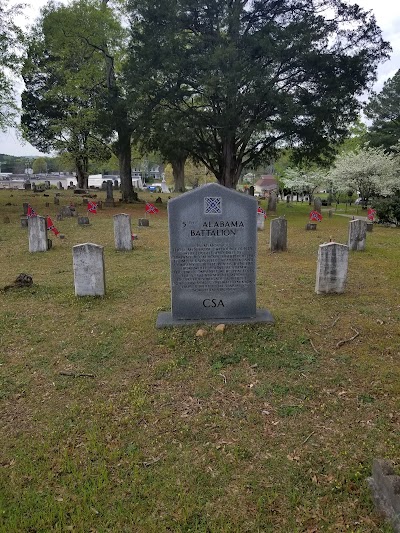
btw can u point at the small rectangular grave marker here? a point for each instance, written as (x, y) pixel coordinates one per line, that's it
(88, 262)
(260, 221)
(37, 234)
(278, 235)
(311, 226)
(357, 234)
(122, 232)
(332, 268)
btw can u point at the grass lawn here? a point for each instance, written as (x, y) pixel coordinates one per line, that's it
(258, 429)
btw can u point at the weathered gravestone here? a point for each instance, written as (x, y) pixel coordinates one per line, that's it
(67, 211)
(213, 249)
(110, 195)
(357, 234)
(332, 266)
(278, 235)
(122, 232)
(370, 227)
(251, 190)
(385, 488)
(260, 221)
(37, 234)
(88, 262)
(318, 204)
(272, 201)
(25, 206)
(56, 200)
(83, 221)
(143, 222)
(60, 185)
(24, 221)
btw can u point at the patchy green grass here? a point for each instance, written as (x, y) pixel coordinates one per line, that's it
(108, 424)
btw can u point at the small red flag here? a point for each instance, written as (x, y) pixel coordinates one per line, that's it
(92, 207)
(371, 213)
(31, 212)
(52, 227)
(151, 209)
(314, 215)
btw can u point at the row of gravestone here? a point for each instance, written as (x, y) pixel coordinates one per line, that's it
(279, 229)
(39, 242)
(213, 250)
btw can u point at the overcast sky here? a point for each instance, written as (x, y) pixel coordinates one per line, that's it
(387, 13)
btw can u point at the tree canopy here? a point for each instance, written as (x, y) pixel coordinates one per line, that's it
(369, 171)
(384, 111)
(73, 101)
(249, 77)
(11, 40)
(302, 181)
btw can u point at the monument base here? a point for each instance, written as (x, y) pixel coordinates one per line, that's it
(165, 320)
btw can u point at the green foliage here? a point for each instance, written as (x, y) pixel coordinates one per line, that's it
(39, 165)
(388, 209)
(384, 111)
(63, 73)
(357, 137)
(11, 40)
(369, 171)
(248, 78)
(73, 102)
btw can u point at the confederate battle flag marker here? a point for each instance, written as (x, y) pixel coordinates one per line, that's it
(151, 209)
(314, 215)
(31, 212)
(52, 227)
(92, 207)
(261, 210)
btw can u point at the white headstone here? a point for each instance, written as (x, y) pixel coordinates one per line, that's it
(88, 261)
(164, 186)
(331, 268)
(37, 232)
(122, 232)
(260, 221)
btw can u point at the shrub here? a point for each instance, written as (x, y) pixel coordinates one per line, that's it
(388, 209)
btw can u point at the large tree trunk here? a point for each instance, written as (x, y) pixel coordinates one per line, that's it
(82, 174)
(231, 168)
(178, 171)
(125, 169)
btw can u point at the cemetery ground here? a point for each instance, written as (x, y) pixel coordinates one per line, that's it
(108, 424)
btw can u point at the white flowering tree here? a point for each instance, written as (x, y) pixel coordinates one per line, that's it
(301, 181)
(368, 171)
